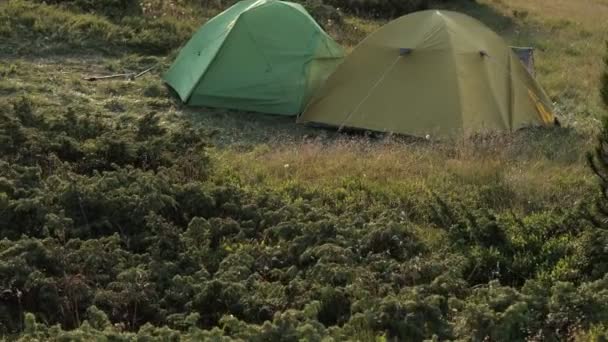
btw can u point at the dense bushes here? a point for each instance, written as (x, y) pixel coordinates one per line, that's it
(59, 25)
(110, 8)
(604, 79)
(383, 8)
(49, 27)
(330, 9)
(117, 229)
(380, 8)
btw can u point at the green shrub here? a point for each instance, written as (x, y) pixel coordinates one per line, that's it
(604, 79)
(599, 164)
(60, 29)
(596, 333)
(323, 13)
(155, 35)
(154, 90)
(109, 8)
(22, 108)
(380, 8)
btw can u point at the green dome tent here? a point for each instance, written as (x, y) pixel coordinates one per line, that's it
(258, 55)
(437, 73)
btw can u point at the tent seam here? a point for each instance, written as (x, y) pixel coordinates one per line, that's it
(292, 6)
(496, 102)
(212, 59)
(456, 75)
(305, 72)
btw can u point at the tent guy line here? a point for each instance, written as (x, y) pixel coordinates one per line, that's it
(129, 75)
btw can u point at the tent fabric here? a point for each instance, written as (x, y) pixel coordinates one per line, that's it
(259, 55)
(526, 56)
(457, 77)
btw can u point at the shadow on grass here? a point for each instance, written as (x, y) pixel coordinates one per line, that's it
(482, 12)
(514, 27)
(244, 131)
(559, 144)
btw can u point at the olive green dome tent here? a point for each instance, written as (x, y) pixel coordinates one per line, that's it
(258, 55)
(437, 73)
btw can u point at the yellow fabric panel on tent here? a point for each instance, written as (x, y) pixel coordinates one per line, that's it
(440, 73)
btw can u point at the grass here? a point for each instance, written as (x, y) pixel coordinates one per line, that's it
(39, 29)
(502, 178)
(569, 37)
(524, 172)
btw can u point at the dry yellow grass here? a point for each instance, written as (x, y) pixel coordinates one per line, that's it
(398, 169)
(570, 39)
(592, 14)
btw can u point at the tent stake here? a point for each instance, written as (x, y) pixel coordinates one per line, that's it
(130, 76)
